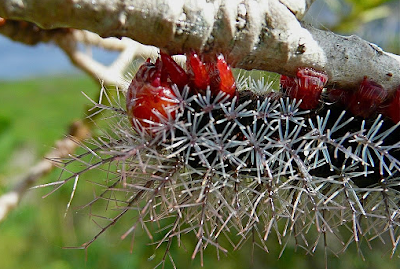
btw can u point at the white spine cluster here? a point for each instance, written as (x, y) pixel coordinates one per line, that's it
(251, 167)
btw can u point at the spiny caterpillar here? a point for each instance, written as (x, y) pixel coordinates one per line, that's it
(207, 156)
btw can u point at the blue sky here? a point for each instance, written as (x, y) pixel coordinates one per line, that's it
(20, 61)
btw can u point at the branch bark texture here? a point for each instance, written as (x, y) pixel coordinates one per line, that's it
(265, 35)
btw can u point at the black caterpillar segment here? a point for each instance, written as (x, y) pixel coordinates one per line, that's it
(269, 135)
(255, 166)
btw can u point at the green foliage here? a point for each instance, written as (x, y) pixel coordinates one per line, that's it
(352, 14)
(38, 110)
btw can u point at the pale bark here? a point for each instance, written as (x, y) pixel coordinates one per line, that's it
(68, 39)
(265, 35)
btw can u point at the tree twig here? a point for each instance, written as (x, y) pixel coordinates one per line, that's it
(265, 35)
(68, 39)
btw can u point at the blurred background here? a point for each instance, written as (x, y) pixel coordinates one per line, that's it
(40, 95)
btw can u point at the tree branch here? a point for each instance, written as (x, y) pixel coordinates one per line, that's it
(68, 39)
(265, 35)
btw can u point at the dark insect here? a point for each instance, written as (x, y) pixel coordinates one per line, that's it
(221, 162)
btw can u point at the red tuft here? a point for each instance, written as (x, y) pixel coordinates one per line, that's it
(366, 100)
(175, 72)
(217, 75)
(224, 77)
(198, 73)
(149, 95)
(306, 86)
(150, 92)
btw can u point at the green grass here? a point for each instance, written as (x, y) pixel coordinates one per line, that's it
(33, 114)
(36, 112)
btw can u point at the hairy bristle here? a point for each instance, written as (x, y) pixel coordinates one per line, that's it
(253, 166)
